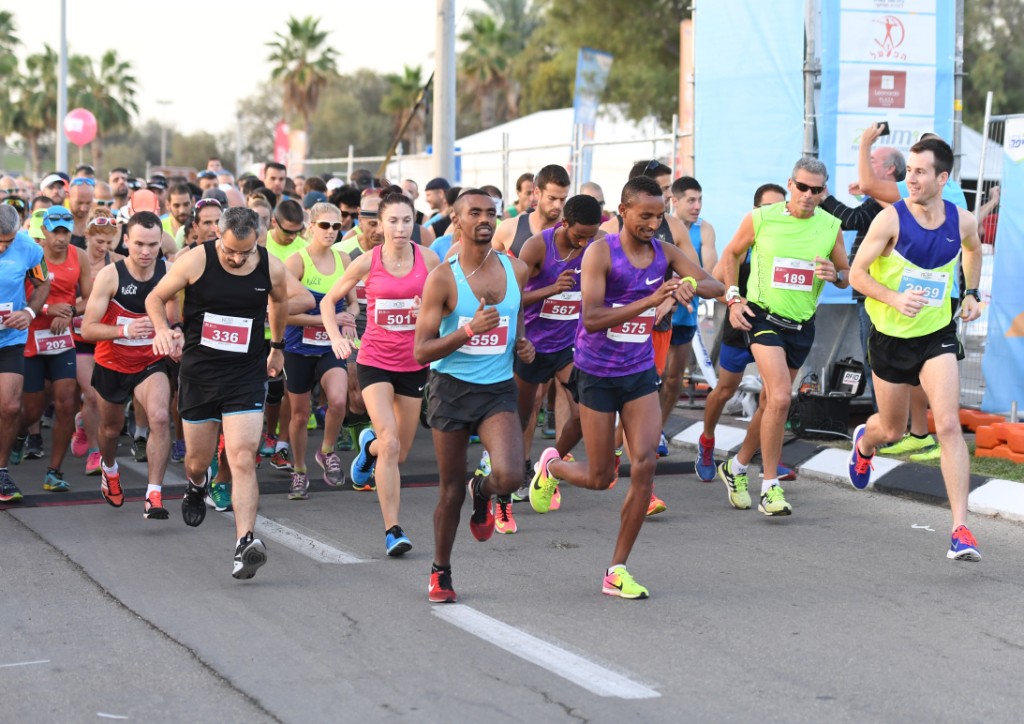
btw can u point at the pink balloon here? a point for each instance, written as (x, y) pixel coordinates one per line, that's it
(80, 126)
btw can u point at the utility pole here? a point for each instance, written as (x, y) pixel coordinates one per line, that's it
(163, 135)
(444, 91)
(62, 91)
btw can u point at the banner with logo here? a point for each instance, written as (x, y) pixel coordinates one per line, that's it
(882, 60)
(1003, 363)
(592, 68)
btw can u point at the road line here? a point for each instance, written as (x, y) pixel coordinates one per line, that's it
(24, 663)
(171, 480)
(300, 542)
(580, 671)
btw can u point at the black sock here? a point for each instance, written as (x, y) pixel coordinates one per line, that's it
(506, 499)
(920, 437)
(434, 568)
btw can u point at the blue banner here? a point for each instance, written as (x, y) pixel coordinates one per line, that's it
(1003, 363)
(592, 68)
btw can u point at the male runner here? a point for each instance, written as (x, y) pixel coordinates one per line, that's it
(550, 192)
(227, 285)
(125, 361)
(469, 327)
(795, 248)
(905, 268)
(624, 281)
(524, 196)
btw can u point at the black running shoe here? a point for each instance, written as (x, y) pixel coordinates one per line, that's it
(250, 554)
(193, 505)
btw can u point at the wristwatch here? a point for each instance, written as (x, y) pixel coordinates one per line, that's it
(277, 345)
(974, 293)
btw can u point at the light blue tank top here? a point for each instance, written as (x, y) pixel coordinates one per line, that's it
(682, 317)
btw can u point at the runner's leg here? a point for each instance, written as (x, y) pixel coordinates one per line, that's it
(940, 380)
(154, 393)
(451, 448)
(242, 433)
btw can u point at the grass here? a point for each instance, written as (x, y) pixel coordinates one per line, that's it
(985, 467)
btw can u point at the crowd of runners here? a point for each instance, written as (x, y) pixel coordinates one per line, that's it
(217, 320)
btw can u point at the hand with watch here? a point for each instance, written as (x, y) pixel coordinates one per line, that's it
(738, 309)
(970, 307)
(275, 360)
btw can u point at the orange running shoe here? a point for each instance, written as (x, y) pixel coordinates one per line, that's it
(440, 588)
(503, 520)
(657, 505)
(110, 488)
(153, 508)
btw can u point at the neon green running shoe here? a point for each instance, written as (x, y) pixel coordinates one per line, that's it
(542, 487)
(908, 444)
(620, 583)
(933, 454)
(739, 496)
(773, 502)
(311, 422)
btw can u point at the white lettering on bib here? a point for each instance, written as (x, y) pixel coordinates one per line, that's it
(636, 331)
(228, 334)
(140, 342)
(315, 337)
(564, 307)
(6, 310)
(493, 341)
(49, 343)
(795, 274)
(394, 315)
(929, 284)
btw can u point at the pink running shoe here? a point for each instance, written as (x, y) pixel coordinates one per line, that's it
(79, 441)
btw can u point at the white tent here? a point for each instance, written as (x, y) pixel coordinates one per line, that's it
(970, 160)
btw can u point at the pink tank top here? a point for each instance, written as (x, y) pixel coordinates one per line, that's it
(390, 325)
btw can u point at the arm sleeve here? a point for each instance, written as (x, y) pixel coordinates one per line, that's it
(853, 219)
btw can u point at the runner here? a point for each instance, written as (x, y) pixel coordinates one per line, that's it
(126, 364)
(308, 358)
(468, 329)
(50, 350)
(391, 379)
(21, 260)
(905, 268)
(524, 196)
(550, 192)
(551, 312)
(623, 282)
(795, 248)
(227, 285)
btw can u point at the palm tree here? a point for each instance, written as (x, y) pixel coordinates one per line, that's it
(484, 63)
(519, 19)
(108, 92)
(403, 93)
(303, 64)
(36, 113)
(8, 69)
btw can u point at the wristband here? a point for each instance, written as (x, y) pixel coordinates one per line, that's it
(277, 345)
(734, 300)
(46, 310)
(31, 312)
(972, 293)
(732, 293)
(124, 330)
(469, 331)
(693, 282)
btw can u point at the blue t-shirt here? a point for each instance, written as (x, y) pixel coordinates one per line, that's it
(442, 245)
(21, 256)
(950, 192)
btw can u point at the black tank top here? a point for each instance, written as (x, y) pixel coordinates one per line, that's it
(416, 234)
(131, 293)
(224, 318)
(522, 234)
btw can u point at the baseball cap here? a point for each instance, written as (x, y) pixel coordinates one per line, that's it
(335, 183)
(144, 200)
(35, 224)
(57, 217)
(52, 178)
(437, 184)
(157, 181)
(206, 174)
(313, 197)
(216, 193)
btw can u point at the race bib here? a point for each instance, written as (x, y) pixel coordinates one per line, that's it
(315, 336)
(6, 310)
(929, 284)
(795, 274)
(493, 341)
(140, 342)
(49, 343)
(361, 291)
(394, 314)
(564, 307)
(228, 334)
(636, 330)
(76, 325)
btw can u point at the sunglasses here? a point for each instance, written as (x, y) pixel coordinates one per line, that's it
(804, 188)
(104, 202)
(325, 225)
(9, 192)
(203, 203)
(651, 166)
(59, 217)
(103, 221)
(14, 201)
(82, 181)
(349, 214)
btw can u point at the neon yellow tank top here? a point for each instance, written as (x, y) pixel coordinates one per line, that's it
(315, 280)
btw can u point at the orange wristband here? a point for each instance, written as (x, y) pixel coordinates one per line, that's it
(469, 331)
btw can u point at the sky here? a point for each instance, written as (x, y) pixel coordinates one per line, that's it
(227, 38)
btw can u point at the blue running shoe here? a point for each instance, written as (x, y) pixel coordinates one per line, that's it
(474, 439)
(785, 473)
(397, 542)
(705, 462)
(860, 466)
(178, 451)
(364, 463)
(963, 546)
(663, 445)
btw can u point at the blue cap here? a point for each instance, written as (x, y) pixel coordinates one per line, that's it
(313, 198)
(57, 217)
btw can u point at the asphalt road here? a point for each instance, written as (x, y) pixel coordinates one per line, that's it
(847, 611)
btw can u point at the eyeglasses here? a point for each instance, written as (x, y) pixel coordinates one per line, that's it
(14, 201)
(287, 232)
(203, 203)
(9, 192)
(103, 221)
(804, 188)
(82, 181)
(103, 203)
(237, 254)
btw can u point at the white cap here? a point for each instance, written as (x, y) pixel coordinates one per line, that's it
(335, 183)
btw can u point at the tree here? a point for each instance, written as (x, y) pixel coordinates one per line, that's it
(993, 58)
(258, 113)
(484, 64)
(107, 91)
(350, 113)
(35, 115)
(303, 65)
(403, 92)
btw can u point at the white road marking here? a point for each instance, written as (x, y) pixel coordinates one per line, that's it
(300, 542)
(110, 716)
(24, 663)
(580, 671)
(171, 479)
(922, 527)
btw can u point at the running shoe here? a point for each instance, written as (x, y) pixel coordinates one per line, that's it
(18, 451)
(153, 508)
(218, 496)
(267, 445)
(364, 463)
(773, 502)
(556, 499)
(178, 451)
(963, 546)
(79, 441)
(46, 421)
(484, 468)
(662, 445)
(330, 463)
(705, 463)
(110, 488)
(481, 523)
(786, 474)
(250, 554)
(739, 496)
(524, 490)
(934, 453)
(474, 439)
(908, 444)
(311, 422)
(860, 467)
(542, 487)
(620, 583)
(396, 542)
(139, 450)
(193, 505)
(9, 492)
(344, 443)
(503, 521)
(34, 447)
(282, 459)
(55, 482)
(657, 505)
(618, 464)
(92, 462)
(440, 588)
(320, 413)
(299, 489)
(548, 431)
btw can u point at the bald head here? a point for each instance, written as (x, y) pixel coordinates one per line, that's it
(888, 163)
(369, 203)
(8, 184)
(80, 198)
(234, 196)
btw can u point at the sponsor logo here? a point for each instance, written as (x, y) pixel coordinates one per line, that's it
(130, 290)
(887, 89)
(648, 282)
(889, 39)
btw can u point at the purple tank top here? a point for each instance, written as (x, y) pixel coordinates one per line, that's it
(551, 322)
(626, 348)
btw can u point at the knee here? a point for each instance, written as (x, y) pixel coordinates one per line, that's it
(110, 429)
(64, 405)
(892, 430)
(643, 466)
(948, 427)
(160, 417)
(777, 403)
(388, 445)
(10, 409)
(506, 479)
(452, 495)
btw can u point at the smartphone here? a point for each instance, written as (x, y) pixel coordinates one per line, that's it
(885, 128)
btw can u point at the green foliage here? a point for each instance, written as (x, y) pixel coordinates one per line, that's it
(993, 57)
(349, 113)
(403, 92)
(303, 65)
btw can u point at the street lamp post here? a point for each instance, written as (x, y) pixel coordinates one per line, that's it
(163, 136)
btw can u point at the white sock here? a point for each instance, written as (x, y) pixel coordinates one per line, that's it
(279, 446)
(141, 431)
(612, 569)
(108, 471)
(153, 489)
(736, 466)
(766, 483)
